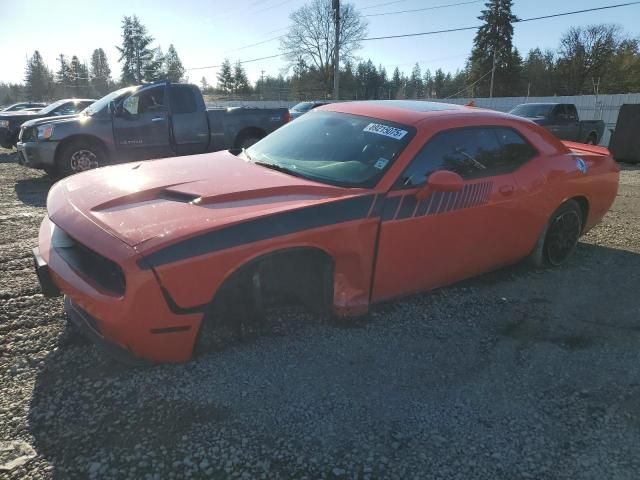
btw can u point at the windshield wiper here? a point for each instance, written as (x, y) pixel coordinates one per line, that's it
(279, 168)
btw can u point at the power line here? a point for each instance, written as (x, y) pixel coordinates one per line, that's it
(470, 86)
(382, 4)
(522, 20)
(435, 7)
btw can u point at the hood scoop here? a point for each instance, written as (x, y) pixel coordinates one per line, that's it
(177, 196)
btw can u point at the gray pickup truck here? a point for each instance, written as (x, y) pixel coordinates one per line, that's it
(148, 121)
(562, 120)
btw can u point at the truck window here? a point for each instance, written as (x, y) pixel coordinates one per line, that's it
(571, 112)
(149, 100)
(182, 100)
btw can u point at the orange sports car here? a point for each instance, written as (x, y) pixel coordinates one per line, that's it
(351, 204)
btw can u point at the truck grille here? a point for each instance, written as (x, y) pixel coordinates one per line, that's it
(92, 266)
(27, 134)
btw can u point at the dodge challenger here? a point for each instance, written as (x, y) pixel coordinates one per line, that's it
(351, 204)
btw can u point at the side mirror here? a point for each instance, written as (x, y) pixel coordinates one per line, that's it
(441, 181)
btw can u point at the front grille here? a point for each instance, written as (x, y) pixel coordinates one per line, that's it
(92, 266)
(28, 134)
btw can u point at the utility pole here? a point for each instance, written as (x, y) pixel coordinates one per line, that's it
(495, 49)
(336, 49)
(261, 84)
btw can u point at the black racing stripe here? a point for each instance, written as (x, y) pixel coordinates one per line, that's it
(263, 228)
(390, 208)
(407, 207)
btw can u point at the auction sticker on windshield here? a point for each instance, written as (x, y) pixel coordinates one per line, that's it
(385, 130)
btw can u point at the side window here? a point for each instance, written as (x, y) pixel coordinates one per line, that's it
(149, 100)
(572, 113)
(70, 108)
(470, 152)
(182, 100)
(559, 112)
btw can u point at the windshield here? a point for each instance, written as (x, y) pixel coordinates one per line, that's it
(532, 110)
(98, 105)
(53, 106)
(334, 148)
(303, 107)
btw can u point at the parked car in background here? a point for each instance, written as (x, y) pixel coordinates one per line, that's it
(304, 107)
(23, 106)
(562, 120)
(351, 204)
(147, 121)
(32, 109)
(10, 122)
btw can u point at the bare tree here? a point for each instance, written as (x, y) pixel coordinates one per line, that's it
(312, 35)
(585, 54)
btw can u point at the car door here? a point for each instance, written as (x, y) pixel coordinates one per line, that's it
(189, 120)
(141, 124)
(449, 236)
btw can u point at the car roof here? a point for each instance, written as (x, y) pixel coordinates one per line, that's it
(408, 112)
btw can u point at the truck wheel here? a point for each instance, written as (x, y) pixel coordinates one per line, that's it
(79, 156)
(559, 238)
(592, 139)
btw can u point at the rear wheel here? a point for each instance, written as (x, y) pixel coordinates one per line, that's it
(560, 237)
(79, 156)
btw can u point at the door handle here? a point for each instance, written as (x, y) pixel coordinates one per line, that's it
(157, 119)
(506, 190)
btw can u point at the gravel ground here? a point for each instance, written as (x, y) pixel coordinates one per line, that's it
(514, 375)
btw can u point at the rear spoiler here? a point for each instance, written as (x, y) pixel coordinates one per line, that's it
(585, 148)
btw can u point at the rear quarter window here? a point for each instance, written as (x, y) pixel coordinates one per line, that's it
(182, 100)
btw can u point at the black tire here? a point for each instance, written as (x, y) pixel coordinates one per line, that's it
(78, 156)
(51, 171)
(592, 139)
(560, 236)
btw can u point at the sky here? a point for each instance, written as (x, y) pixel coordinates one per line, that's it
(205, 32)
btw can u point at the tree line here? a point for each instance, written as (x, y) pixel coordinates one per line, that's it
(140, 62)
(592, 59)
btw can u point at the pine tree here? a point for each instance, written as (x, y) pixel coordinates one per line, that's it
(100, 73)
(225, 77)
(63, 77)
(204, 85)
(172, 65)
(240, 80)
(415, 89)
(396, 83)
(154, 70)
(79, 77)
(38, 78)
(428, 84)
(135, 52)
(494, 38)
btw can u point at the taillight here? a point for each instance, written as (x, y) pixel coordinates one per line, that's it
(286, 117)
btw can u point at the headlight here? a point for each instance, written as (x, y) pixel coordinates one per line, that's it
(45, 132)
(4, 123)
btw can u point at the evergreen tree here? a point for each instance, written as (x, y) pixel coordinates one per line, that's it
(204, 85)
(172, 65)
(135, 52)
(240, 80)
(415, 87)
(225, 77)
(154, 70)
(396, 83)
(428, 84)
(494, 39)
(100, 72)
(38, 78)
(63, 77)
(79, 77)
(538, 72)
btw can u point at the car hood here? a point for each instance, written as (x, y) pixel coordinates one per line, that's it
(57, 119)
(155, 202)
(17, 116)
